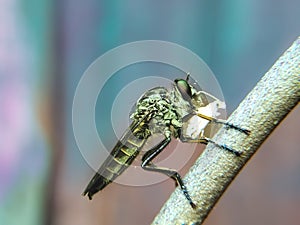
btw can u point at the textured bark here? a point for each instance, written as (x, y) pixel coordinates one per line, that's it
(274, 96)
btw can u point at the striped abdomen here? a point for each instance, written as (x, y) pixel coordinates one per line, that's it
(120, 159)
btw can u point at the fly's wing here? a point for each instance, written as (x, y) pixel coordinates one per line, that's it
(122, 155)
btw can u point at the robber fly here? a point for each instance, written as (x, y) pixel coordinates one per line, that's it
(183, 113)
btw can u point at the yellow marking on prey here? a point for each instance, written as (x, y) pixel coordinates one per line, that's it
(205, 117)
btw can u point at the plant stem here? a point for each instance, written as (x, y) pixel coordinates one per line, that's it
(274, 96)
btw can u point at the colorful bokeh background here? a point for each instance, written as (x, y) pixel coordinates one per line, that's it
(45, 47)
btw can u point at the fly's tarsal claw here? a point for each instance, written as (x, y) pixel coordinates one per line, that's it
(193, 205)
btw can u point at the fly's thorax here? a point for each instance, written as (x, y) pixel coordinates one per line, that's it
(152, 101)
(159, 104)
(165, 122)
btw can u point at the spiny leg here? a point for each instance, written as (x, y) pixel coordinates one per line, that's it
(148, 165)
(214, 120)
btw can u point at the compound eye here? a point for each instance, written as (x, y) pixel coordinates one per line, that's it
(184, 89)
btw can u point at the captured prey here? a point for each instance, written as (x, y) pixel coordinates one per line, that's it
(182, 113)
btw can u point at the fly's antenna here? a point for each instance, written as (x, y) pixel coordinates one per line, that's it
(187, 77)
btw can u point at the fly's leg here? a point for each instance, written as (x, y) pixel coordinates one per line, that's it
(148, 165)
(223, 146)
(205, 140)
(175, 176)
(214, 120)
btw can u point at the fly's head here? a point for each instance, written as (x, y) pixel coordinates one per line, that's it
(189, 93)
(191, 100)
(183, 96)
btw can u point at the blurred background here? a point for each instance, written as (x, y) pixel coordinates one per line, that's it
(45, 47)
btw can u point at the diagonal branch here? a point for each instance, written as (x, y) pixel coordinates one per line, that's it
(274, 96)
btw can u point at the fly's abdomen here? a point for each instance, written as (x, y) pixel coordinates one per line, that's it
(120, 159)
